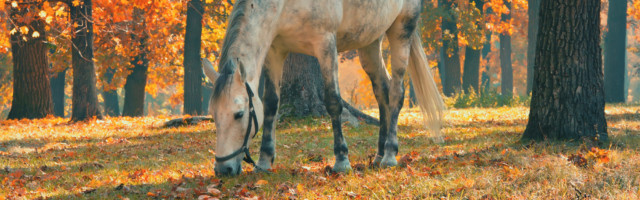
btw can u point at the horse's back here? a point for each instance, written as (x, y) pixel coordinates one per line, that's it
(356, 23)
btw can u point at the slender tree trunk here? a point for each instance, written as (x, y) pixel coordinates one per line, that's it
(532, 36)
(615, 52)
(134, 94)
(110, 95)
(568, 98)
(135, 87)
(31, 89)
(207, 89)
(505, 57)
(451, 58)
(192, 62)
(471, 76)
(58, 82)
(85, 100)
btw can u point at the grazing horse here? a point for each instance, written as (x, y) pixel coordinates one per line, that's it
(263, 32)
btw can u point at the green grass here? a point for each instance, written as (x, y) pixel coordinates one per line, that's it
(481, 158)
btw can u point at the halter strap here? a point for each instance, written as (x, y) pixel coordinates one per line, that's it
(245, 148)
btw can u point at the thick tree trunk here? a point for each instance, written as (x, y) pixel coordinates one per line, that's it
(31, 89)
(135, 87)
(58, 82)
(85, 100)
(505, 58)
(615, 52)
(451, 58)
(192, 62)
(532, 36)
(471, 76)
(568, 97)
(302, 91)
(110, 95)
(134, 93)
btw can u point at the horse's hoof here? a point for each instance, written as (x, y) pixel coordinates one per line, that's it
(388, 161)
(342, 167)
(376, 162)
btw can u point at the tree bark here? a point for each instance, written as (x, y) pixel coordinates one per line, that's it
(134, 93)
(31, 89)
(471, 76)
(110, 95)
(451, 60)
(568, 98)
(302, 91)
(615, 52)
(192, 62)
(58, 82)
(505, 57)
(532, 36)
(85, 99)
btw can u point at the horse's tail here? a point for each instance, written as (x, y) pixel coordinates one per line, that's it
(211, 73)
(426, 89)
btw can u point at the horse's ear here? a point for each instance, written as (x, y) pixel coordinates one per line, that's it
(207, 68)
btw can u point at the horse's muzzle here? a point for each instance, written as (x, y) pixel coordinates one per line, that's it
(228, 168)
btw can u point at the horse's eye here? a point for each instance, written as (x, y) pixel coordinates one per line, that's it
(238, 115)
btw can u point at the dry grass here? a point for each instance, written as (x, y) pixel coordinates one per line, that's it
(481, 159)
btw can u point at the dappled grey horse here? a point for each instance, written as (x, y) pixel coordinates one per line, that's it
(263, 32)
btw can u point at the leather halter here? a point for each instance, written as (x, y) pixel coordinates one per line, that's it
(245, 148)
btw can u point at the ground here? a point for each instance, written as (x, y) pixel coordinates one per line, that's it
(480, 159)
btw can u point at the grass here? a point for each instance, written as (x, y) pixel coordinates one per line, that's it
(119, 158)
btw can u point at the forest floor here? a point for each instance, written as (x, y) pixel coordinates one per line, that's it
(482, 158)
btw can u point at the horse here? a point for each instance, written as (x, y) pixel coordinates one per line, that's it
(261, 33)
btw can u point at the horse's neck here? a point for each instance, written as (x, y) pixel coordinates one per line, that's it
(255, 38)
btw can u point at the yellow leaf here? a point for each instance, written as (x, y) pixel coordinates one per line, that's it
(14, 4)
(49, 19)
(75, 2)
(42, 14)
(35, 34)
(261, 182)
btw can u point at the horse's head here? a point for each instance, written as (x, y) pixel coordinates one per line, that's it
(238, 114)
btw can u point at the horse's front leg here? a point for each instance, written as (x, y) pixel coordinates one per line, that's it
(271, 97)
(327, 55)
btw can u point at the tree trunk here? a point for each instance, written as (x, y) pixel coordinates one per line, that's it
(192, 62)
(110, 95)
(505, 57)
(31, 89)
(85, 99)
(58, 82)
(532, 36)
(471, 76)
(615, 52)
(135, 87)
(302, 91)
(568, 98)
(207, 91)
(134, 93)
(451, 58)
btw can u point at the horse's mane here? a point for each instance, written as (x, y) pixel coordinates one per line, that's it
(228, 65)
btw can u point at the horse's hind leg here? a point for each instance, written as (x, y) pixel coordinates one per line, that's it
(328, 58)
(373, 65)
(399, 43)
(271, 96)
